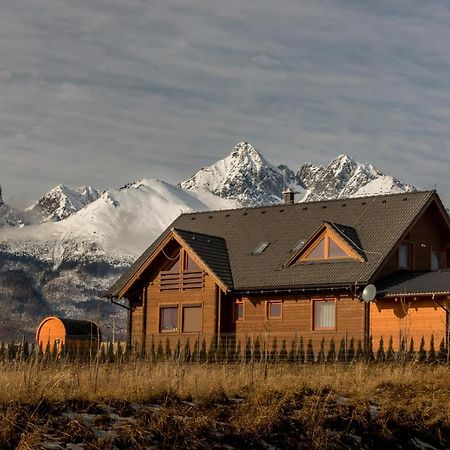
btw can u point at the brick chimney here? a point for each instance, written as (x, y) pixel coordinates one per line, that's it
(288, 196)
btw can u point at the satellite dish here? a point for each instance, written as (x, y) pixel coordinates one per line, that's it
(369, 293)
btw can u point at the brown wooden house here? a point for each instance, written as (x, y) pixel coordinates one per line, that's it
(294, 270)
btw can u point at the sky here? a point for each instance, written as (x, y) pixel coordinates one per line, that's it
(105, 92)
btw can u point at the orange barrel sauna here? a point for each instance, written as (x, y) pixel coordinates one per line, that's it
(75, 336)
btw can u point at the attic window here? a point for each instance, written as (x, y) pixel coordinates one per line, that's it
(327, 245)
(260, 248)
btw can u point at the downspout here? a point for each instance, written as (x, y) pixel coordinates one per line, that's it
(144, 319)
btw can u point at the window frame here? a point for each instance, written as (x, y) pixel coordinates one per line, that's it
(325, 237)
(411, 255)
(268, 314)
(168, 306)
(443, 252)
(313, 311)
(236, 303)
(191, 305)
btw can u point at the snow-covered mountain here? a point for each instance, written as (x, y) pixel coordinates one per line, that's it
(246, 176)
(61, 202)
(60, 254)
(344, 177)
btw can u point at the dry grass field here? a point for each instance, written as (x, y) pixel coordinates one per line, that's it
(170, 405)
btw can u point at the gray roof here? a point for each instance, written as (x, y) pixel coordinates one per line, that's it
(374, 225)
(212, 250)
(415, 283)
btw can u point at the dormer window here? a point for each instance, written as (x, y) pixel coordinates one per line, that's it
(405, 256)
(326, 248)
(331, 242)
(437, 259)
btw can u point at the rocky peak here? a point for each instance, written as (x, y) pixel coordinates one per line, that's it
(62, 201)
(244, 175)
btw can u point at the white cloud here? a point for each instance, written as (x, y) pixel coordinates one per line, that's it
(104, 92)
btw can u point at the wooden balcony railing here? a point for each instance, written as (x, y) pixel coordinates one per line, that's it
(181, 281)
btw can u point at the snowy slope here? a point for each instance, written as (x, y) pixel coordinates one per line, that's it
(118, 225)
(244, 175)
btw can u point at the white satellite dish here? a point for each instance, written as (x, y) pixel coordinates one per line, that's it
(369, 293)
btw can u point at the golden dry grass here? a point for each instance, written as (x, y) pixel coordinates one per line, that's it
(383, 403)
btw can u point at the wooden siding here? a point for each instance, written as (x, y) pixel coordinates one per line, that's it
(297, 319)
(156, 299)
(429, 232)
(50, 330)
(408, 317)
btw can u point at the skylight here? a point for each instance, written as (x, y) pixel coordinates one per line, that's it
(298, 245)
(260, 248)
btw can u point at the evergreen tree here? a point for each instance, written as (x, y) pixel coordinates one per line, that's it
(168, 353)
(238, 355)
(177, 351)
(203, 354)
(248, 350)
(351, 350)
(187, 351)
(2, 351)
(283, 352)
(331, 355)
(128, 351)
(310, 357)
(257, 350)
(196, 352)
(160, 352)
(369, 351)
(359, 351)
(381, 355)
(274, 351)
(102, 355)
(390, 353)
(47, 354)
(321, 354)
(301, 351)
(120, 352)
(293, 351)
(221, 353)
(411, 355)
(152, 351)
(341, 352)
(442, 354)
(110, 353)
(25, 351)
(212, 352)
(432, 352)
(422, 356)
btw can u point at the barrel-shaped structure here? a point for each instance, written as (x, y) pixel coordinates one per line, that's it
(75, 336)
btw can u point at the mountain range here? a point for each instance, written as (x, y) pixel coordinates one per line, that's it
(59, 254)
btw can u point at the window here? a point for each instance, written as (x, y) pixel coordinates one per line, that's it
(324, 313)
(405, 256)
(192, 319)
(274, 310)
(326, 248)
(298, 245)
(168, 318)
(190, 264)
(260, 248)
(239, 311)
(437, 259)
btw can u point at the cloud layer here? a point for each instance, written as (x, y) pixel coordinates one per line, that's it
(104, 92)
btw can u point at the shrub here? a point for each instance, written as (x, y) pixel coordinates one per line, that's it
(310, 357)
(422, 355)
(321, 354)
(331, 355)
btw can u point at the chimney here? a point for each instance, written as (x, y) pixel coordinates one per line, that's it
(288, 196)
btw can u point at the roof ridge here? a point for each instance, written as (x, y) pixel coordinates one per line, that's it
(293, 205)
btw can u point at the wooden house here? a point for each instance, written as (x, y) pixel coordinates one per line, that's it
(75, 336)
(294, 270)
